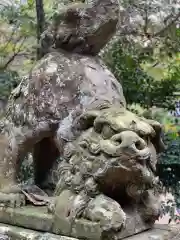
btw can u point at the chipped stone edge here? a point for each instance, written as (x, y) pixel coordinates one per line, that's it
(8, 232)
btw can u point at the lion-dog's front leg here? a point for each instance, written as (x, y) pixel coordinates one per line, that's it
(69, 206)
(76, 197)
(106, 211)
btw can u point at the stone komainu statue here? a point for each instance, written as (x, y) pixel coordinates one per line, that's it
(71, 106)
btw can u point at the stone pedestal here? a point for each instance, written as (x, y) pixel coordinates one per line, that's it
(8, 232)
(37, 219)
(159, 232)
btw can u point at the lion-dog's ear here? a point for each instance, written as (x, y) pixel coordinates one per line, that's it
(157, 139)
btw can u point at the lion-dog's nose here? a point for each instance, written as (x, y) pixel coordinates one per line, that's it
(129, 143)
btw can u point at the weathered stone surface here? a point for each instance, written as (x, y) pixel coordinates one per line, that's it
(82, 27)
(8, 232)
(106, 186)
(38, 219)
(42, 109)
(107, 168)
(28, 217)
(70, 107)
(158, 232)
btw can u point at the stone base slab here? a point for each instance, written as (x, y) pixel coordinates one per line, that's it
(8, 232)
(159, 232)
(37, 219)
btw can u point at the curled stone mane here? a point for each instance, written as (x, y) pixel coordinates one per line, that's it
(113, 156)
(87, 161)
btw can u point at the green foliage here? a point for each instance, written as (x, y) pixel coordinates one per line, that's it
(169, 165)
(168, 168)
(8, 81)
(171, 135)
(17, 42)
(136, 108)
(22, 16)
(172, 141)
(169, 161)
(139, 86)
(18, 32)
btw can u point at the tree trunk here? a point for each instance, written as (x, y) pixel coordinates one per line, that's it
(40, 23)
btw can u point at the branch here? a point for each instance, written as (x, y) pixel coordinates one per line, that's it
(146, 21)
(126, 32)
(168, 26)
(9, 40)
(13, 56)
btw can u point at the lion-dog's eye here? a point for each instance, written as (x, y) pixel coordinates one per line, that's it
(107, 131)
